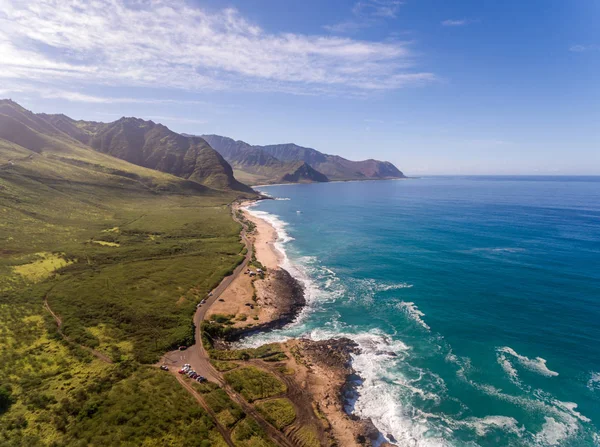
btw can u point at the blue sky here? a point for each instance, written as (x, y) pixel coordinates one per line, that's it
(435, 86)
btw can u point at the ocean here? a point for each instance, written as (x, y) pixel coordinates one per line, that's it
(475, 301)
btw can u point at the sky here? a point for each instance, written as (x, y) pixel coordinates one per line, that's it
(434, 86)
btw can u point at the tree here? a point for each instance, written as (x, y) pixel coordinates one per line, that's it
(5, 399)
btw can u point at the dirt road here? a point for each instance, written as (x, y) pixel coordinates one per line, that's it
(196, 354)
(95, 353)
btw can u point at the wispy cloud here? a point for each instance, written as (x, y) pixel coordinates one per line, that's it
(161, 43)
(377, 8)
(583, 48)
(366, 13)
(349, 26)
(457, 22)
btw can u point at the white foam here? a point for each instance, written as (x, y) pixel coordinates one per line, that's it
(414, 313)
(554, 432)
(594, 382)
(364, 290)
(384, 391)
(481, 426)
(562, 420)
(508, 368)
(297, 270)
(537, 365)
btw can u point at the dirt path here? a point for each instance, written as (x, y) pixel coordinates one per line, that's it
(95, 353)
(302, 401)
(196, 354)
(198, 397)
(198, 357)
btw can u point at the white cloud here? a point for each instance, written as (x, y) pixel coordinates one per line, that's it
(583, 48)
(348, 26)
(367, 13)
(161, 43)
(458, 22)
(377, 8)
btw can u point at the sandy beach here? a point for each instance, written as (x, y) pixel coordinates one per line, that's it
(321, 368)
(264, 238)
(260, 300)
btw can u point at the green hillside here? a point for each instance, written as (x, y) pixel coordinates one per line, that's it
(122, 254)
(154, 146)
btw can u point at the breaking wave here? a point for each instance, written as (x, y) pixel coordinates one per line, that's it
(404, 400)
(537, 365)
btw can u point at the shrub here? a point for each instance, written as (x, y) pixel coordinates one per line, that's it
(253, 383)
(278, 412)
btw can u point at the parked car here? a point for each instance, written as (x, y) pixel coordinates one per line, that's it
(164, 367)
(182, 348)
(181, 371)
(201, 379)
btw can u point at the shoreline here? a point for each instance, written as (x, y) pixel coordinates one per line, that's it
(324, 368)
(337, 181)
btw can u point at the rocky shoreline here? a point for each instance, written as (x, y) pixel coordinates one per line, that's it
(280, 292)
(323, 369)
(332, 359)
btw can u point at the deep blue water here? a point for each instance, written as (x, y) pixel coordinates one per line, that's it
(476, 302)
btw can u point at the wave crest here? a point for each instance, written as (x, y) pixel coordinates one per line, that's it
(537, 365)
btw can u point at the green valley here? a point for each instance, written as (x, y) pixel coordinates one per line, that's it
(122, 254)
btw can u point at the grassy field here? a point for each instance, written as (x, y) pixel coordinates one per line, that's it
(253, 383)
(278, 412)
(247, 433)
(122, 254)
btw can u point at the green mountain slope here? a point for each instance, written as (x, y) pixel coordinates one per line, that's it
(122, 254)
(154, 146)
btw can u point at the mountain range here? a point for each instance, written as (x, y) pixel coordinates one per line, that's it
(216, 162)
(142, 143)
(279, 162)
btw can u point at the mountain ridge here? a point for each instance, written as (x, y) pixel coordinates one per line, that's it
(153, 145)
(334, 167)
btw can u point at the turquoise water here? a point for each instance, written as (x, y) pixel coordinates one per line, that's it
(476, 302)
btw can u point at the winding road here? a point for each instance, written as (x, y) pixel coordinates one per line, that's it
(197, 356)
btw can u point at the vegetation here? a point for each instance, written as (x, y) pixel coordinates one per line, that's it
(253, 383)
(148, 406)
(278, 412)
(5, 398)
(223, 366)
(308, 437)
(228, 413)
(241, 217)
(248, 433)
(270, 352)
(122, 254)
